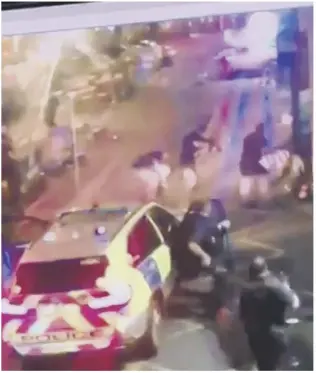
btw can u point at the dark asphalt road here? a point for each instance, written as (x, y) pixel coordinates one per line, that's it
(190, 342)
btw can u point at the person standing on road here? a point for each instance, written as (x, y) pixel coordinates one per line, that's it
(202, 242)
(253, 174)
(262, 307)
(153, 169)
(203, 231)
(194, 145)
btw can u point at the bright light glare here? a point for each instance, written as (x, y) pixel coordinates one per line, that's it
(50, 45)
(50, 237)
(261, 30)
(259, 34)
(119, 293)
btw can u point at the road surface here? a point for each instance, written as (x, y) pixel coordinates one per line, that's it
(158, 117)
(191, 342)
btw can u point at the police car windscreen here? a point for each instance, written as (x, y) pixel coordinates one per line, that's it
(60, 276)
(97, 215)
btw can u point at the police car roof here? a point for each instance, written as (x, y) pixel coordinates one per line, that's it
(77, 234)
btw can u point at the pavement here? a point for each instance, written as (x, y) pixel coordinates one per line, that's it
(157, 118)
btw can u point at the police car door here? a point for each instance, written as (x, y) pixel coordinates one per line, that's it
(150, 254)
(164, 224)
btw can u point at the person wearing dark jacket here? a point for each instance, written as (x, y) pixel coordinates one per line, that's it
(202, 245)
(202, 238)
(194, 141)
(262, 307)
(253, 174)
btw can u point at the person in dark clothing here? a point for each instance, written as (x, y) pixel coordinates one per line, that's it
(211, 231)
(203, 245)
(262, 307)
(195, 146)
(194, 141)
(148, 159)
(189, 257)
(203, 231)
(252, 173)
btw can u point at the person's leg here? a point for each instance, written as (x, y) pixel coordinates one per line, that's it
(262, 185)
(269, 357)
(218, 298)
(266, 350)
(228, 254)
(245, 188)
(257, 348)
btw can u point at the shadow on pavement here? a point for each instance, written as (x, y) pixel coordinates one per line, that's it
(232, 341)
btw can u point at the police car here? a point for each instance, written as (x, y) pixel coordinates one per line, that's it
(98, 279)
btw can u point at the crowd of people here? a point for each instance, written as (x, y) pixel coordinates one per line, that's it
(265, 172)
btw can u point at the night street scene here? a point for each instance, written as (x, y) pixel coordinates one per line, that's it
(193, 134)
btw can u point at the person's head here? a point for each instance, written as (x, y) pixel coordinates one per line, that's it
(260, 129)
(258, 268)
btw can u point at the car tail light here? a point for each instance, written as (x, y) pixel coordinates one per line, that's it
(117, 293)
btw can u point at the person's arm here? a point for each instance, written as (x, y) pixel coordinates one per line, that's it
(199, 252)
(290, 295)
(241, 307)
(195, 244)
(287, 294)
(224, 222)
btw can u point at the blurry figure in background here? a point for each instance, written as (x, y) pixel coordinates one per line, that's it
(275, 163)
(286, 172)
(10, 178)
(253, 174)
(289, 172)
(195, 145)
(286, 43)
(153, 169)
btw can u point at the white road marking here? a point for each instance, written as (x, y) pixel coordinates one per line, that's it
(190, 327)
(145, 366)
(191, 323)
(155, 366)
(276, 252)
(307, 293)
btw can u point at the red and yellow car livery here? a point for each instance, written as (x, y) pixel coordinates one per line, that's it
(98, 279)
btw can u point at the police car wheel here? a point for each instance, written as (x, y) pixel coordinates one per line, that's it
(151, 338)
